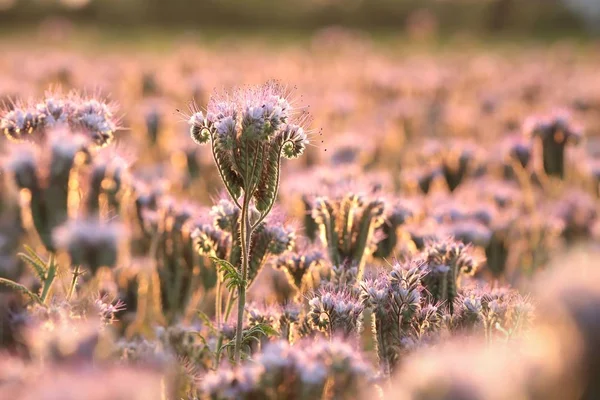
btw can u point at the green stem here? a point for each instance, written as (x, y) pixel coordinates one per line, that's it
(218, 305)
(245, 234)
(76, 275)
(50, 276)
(218, 300)
(228, 308)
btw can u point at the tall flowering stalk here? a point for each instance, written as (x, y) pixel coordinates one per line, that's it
(249, 131)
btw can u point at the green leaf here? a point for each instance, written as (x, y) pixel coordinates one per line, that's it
(264, 329)
(20, 288)
(32, 253)
(38, 269)
(50, 277)
(232, 277)
(253, 334)
(35, 262)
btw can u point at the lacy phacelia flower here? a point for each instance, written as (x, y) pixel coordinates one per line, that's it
(249, 133)
(336, 311)
(500, 313)
(403, 314)
(445, 262)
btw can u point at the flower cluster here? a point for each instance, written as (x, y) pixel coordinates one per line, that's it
(445, 262)
(336, 311)
(403, 314)
(299, 265)
(249, 133)
(308, 369)
(221, 239)
(79, 113)
(348, 225)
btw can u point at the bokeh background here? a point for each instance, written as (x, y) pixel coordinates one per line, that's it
(545, 18)
(475, 119)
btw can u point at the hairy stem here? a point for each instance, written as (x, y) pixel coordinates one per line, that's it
(50, 276)
(228, 308)
(218, 300)
(245, 235)
(228, 305)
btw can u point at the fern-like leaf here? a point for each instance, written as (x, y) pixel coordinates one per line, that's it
(253, 334)
(20, 288)
(35, 262)
(232, 277)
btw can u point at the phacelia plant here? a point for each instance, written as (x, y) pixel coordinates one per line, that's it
(249, 132)
(336, 311)
(445, 262)
(403, 314)
(347, 227)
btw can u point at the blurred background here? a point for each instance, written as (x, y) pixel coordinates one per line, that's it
(537, 18)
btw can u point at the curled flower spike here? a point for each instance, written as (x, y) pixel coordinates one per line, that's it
(398, 214)
(268, 240)
(298, 264)
(249, 132)
(50, 176)
(207, 240)
(348, 225)
(225, 216)
(198, 128)
(107, 182)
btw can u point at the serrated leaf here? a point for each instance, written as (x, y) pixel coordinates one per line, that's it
(32, 253)
(253, 334)
(38, 269)
(231, 276)
(20, 288)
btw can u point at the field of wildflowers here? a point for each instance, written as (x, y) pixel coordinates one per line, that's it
(331, 219)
